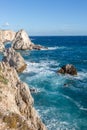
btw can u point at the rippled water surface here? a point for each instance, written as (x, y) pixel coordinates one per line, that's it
(60, 107)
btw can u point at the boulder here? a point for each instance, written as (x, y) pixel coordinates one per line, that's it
(68, 69)
(14, 59)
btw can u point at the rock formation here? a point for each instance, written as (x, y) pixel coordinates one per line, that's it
(14, 59)
(6, 36)
(16, 103)
(20, 40)
(23, 42)
(68, 69)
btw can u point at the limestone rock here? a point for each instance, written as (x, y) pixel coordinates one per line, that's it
(16, 103)
(6, 36)
(14, 59)
(2, 47)
(68, 69)
(22, 41)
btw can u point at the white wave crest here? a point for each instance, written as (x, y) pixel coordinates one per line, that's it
(40, 67)
(55, 48)
(81, 75)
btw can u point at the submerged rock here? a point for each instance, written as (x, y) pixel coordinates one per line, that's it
(14, 59)
(68, 69)
(16, 103)
(39, 47)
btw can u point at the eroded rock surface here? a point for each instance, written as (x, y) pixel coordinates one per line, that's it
(22, 41)
(6, 36)
(14, 59)
(68, 69)
(16, 103)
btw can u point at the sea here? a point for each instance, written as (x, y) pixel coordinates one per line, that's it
(60, 107)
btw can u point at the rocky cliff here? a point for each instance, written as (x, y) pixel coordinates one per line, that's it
(16, 103)
(14, 59)
(20, 40)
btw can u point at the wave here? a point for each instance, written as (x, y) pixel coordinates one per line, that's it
(82, 108)
(52, 48)
(37, 90)
(40, 67)
(81, 75)
(56, 47)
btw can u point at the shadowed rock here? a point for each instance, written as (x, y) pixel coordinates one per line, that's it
(68, 69)
(14, 59)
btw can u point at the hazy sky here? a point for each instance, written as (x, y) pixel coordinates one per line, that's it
(45, 17)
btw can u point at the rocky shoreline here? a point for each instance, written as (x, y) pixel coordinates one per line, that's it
(16, 103)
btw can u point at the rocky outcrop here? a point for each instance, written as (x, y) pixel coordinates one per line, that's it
(68, 69)
(16, 103)
(6, 36)
(22, 41)
(14, 59)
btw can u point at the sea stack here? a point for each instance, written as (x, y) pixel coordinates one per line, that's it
(22, 41)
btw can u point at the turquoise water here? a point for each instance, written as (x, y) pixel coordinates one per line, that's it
(60, 107)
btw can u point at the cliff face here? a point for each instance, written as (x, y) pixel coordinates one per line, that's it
(16, 103)
(14, 59)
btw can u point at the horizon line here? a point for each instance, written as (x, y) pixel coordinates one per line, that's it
(58, 36)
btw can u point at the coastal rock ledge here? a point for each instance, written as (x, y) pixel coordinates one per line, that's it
(16, 103)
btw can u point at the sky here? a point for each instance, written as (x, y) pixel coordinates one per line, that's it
(45, 17)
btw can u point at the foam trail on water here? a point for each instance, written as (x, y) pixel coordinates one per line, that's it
(55, 48)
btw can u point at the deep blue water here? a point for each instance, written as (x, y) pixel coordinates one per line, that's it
(60, 107)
